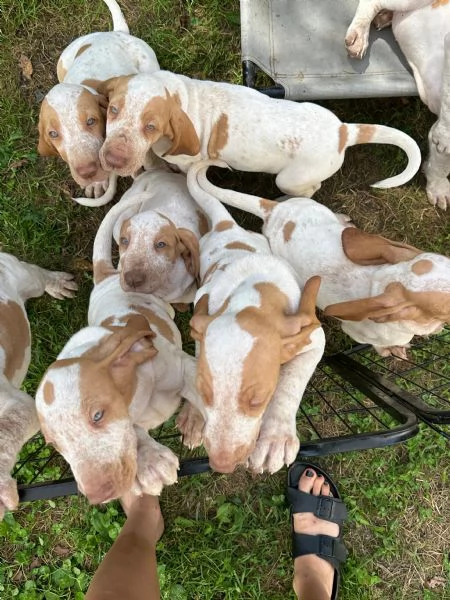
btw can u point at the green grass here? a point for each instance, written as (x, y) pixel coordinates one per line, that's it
(227, 537)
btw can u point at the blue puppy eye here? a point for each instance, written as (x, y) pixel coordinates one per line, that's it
(98, 416)
(160, 245)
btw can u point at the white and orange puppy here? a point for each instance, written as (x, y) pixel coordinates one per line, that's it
(72, 115)
(384, 292)
(422, 29)
(113, 381)
(259, 343)
(19, 281)
(157, 225)
(185, 120)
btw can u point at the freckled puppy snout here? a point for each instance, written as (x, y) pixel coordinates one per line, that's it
(134, 278)
(114, 158)
(87, 170)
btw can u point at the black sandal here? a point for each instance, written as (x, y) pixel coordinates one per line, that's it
(330, 508)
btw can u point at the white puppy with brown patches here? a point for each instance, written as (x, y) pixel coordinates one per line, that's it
(384, 292)
(258, 346)
(422, 29)
(114, 380)
(71, 120)
(157, 225)
(186, 120)
(19, 281)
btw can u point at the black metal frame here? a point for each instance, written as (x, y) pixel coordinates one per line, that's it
(363, 401)
(249, 71)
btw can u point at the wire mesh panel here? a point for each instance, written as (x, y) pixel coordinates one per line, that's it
(340, 411)
(421, 382)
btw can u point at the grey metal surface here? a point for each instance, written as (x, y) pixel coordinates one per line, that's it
(300, 44)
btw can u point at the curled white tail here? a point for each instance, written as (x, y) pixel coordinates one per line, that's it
(380, 134)
(119, 23)
(208, 201)
(252, 204)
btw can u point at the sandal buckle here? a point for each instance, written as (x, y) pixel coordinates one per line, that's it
(325, 508)
(326, 546)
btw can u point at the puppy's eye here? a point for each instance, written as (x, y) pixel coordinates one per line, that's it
(53, 134)
(150, 127)
(160, 245)
(98, 416)
(124, 241)
(91, 121)
(113, 110)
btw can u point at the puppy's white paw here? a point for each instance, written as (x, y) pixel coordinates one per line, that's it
(157, 466)
(438, 192)
(9, 498)
(440, 136)
(395, 351)
(96, 189)
(357, 41)
(60, 285)
(274, 451)
(190, 423)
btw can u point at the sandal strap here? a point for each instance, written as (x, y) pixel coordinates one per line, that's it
(329, 548)
(324, 507)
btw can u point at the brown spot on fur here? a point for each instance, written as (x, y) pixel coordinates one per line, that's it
(203, 225)
(267, 206)
(287, 230)
(422, 266)
(14, 337)
(102, 270)
(365, 134)
(219, 136)
(438, 3)
(343, 137)
(48, 392)
(239, 246)
(224, 225)
(92, 83)
(82, 49)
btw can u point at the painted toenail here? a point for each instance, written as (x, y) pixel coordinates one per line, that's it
(309, 473)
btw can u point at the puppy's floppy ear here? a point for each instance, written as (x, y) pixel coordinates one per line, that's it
(45, 147)
(185, 139)
(303, 323)
(106, 88)
(367, 249)
(190, 251)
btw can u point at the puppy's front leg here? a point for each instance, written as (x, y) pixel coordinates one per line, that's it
(278, 444)
(18, 423)
(157, 465)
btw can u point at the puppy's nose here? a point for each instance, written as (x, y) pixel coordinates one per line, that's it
(116, 160)
(87, 170)
(134, 279)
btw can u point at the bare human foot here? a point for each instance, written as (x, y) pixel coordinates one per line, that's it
(313, 576)
(145, 512)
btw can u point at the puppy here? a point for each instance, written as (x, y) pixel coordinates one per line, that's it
(258, 346)
(19, 281)
(422, 29)
(123, 374)
(157, 226)
(383, 292)
(185, 120)
(71, 121)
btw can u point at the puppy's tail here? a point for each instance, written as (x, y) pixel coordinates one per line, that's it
(119, 23)
(351, 134)
(102, 254)
(252, 204)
